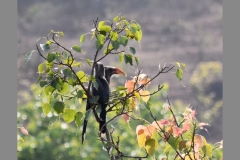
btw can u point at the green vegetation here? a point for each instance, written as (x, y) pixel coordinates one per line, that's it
(142, 123)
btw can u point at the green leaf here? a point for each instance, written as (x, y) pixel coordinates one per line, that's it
(67, 72)
(43, 83)
(93, 99)
(81, 75)
(174, 142)
(128, 59)
(179, 73)
(50, 57)
(105, 28)
(49, 64)
(137, 95)
(107, 50)
(133, 28)
(61, 34)
(50, 75)
(82, 38)
(121, 88)
(78, 118)
(65, 55)
(69, 60)
(48, 90)
(69, 115)
(58, 107)
(132, 50)
(99, 46)
(114, 36)
(115, 19)
(183, 65)
(28, 56)
(129, 34)
(89, 62)
(39, 78)
(76, 64)
(151, 146)
(65, 88)
(115, 44)
(71, 81)
(207, 149)
(77, 48)
(46, 108)
(49, 42)
(41, 68)
(124, 41)
(137, 60)
(126, 22)
(58, 57)
(101, 38)
(101, 23)
(138, 35)
(138, 26)
(92, 78)
(80, 94)
(178, 64)
(99, 41)
(167, 150)
(121, 57)
(57, 84)
(45, 47)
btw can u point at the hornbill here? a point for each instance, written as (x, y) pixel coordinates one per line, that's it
(102, 75)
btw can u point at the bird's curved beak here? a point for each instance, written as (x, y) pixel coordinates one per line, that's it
(119, 71)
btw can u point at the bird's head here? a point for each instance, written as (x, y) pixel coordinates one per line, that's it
(109, 71)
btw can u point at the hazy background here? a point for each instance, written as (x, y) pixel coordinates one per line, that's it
(187, 31)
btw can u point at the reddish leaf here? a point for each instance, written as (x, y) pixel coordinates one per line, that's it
(182, 144)
(186, 126)
(199, 140)
(126, 117)
(144, 80)
(148, 131)
(189, 114)
(23, 130)
(130, 85)
(160, 124)
(166, 106)
(177, 131)
(139, 128)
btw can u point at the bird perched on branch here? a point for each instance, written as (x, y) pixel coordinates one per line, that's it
(102, 75)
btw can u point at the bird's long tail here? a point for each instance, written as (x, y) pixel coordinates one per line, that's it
(88, 106)
(103, 114)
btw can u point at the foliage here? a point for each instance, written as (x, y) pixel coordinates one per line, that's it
(64, 91)
(206, 83)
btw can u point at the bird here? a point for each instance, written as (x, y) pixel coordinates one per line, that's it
(102, 76)
(109, 71)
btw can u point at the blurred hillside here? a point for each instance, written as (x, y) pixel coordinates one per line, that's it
(187, 31)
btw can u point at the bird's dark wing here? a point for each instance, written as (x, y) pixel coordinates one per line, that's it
(102, 75)
(103, 93)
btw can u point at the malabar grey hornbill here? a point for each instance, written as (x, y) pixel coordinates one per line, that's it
(102, 75)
